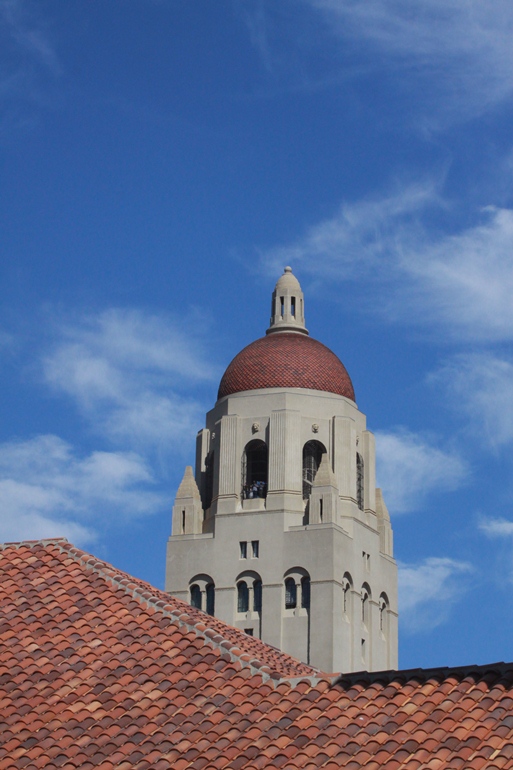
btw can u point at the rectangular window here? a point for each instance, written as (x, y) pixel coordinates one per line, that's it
(248, 631)
(293, 307)
(243, 549)
(320, 509)
(282, 306)
(255, 548)
(183, 522)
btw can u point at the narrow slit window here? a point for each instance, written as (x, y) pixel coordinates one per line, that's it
(290, 594)
(242, 596)
(282, 306)
(293, 307)
(196, 596)
(321, 509)
(210, 596)
(255, 548)
(257, 596)
(183, 522)
(305, 593)
(243, 549)
(365, 608)
(359, 481)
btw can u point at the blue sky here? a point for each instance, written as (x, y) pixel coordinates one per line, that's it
(161, 161)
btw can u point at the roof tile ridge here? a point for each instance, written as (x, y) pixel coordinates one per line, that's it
(31, 543)
(145, 592)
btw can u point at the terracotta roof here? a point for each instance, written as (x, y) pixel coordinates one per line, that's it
(286, 360)
(100, 670)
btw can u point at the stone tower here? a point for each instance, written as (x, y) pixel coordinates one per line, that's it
(281, 530)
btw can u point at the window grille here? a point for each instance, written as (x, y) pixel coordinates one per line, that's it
(242, 597)
(359, 481)
(290, 594)
(312, 456)
(254, 470)
(195, 596)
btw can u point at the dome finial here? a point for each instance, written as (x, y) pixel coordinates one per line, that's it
(287, 310)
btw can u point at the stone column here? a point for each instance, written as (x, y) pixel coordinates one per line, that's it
(229, 464)
(369, 479)
(344, 462)
(285, 485)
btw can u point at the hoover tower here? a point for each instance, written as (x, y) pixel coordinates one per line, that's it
(280, 529)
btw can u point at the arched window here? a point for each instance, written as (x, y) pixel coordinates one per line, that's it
(254, 469)
(202, 592)
(209, 480)
(312, 455)
(257, 596)
(383, 614)
(210, 593)
(305, 592)
(359, 481)
(242, 596)
(195, 592)
(290, 594)
(365, 604)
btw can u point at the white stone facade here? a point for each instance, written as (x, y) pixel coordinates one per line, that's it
(301, 524)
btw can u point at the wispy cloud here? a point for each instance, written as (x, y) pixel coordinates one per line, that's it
(458, 49)
(409, 469)
(461, 282)
(131, 374)
(256, 19)
(48, 489)
(500, 529)
(362, 237)
(428, 591)
(496, 527)
(29, 62)
(480, 386)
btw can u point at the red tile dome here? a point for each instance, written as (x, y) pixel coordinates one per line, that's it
(286, 360)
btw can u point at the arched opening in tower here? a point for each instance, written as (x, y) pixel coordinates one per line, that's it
(312, 456)
(254, 470)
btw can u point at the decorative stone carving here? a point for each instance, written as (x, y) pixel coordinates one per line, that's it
(315, 428)
(255, 427)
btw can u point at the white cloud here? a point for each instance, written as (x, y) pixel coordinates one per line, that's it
(496, 527)
(131, 374)
(461, 283)
(480, 385)
(459, 49)
(464, 281)
(427, 591)
(47, 490)
(361, 237)
(409, 469)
